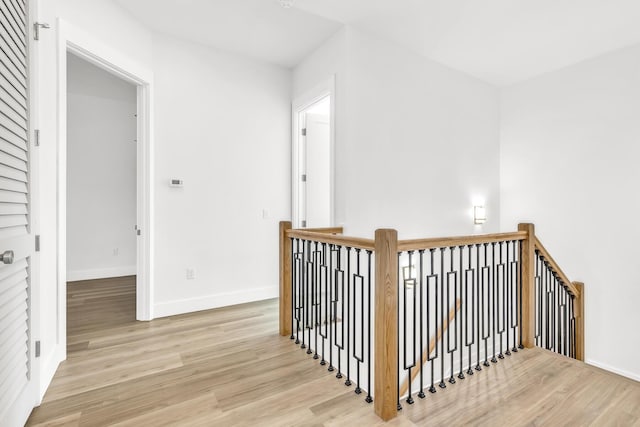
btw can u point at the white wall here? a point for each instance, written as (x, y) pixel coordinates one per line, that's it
(101, 173)
(114, 27)
(223, 126)
(416, 142)
(569, 163)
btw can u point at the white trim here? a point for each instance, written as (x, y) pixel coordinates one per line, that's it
(75, 40)
(327, 88)
(189, 305)
(48, 369)
(101, 273)
(609, 368)
(35, 325)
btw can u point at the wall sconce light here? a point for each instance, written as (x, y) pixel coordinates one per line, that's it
(409, 276)
(479, 215)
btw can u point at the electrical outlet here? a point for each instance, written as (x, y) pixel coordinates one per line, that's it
(191, 274)
(116, 252)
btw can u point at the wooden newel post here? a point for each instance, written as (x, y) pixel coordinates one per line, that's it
(385, 395)
(528, 327)
(579, 315)
(285, 279)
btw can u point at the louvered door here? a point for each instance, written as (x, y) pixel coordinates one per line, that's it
(17, 394)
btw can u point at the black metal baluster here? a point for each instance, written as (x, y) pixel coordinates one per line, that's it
(368, 399)
(538, 283)
(554, 305)
(463, 307)
(421, 322)
(432, 275)
(347, 299)
(501, 300)
(565, 332)
(340, 297)
(324, 285)
(358, 280)
(509, 297)
(407, 286)
(296, 293)
(548, 307)
(316, 306)
(494, 300)
(473, 308)
(450, 350)
(514, 290)
(442, 318)
(486, 301)
(332, 311)
(545, 296)
(519, 288)
(293, 287)
(398, 332)
(572, 325)
(309, 291)
(303, 294)
(479, 309)
(564, 321)
(561, 315)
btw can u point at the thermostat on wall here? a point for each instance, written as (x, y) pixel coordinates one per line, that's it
(173, 182)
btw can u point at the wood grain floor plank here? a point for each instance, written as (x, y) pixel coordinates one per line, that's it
(229, 367)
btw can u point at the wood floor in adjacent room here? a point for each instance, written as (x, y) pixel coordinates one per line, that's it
(228, 367)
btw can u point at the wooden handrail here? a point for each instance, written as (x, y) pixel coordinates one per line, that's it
(554, 266)
(329, 235)
(334, 239)
(431, 347)
(442, 242)
(326, 230)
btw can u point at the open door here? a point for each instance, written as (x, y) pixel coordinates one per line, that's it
(312, 157)
(316, 186)
(18, 392)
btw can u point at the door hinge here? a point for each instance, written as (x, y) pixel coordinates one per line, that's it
(37, 348)
(303, 178)
(36, 29)
(304, 131)
(138, 231)
(304, 223)
(37, 243)
(36, 137)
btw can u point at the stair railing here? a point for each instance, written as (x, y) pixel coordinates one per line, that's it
(396, 318)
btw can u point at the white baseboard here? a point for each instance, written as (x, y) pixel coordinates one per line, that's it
(208, 302)
(100, 273)
(609, 368)
(48, 370)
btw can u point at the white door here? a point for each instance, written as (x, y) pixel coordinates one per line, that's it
(317, 170)
(17, 385)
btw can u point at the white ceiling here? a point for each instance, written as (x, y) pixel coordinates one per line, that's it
(261, 29)
(499, 41)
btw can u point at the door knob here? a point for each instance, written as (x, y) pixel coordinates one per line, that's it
(7, 257)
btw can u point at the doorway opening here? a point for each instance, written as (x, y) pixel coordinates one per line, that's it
(81, 44)
(102, 194)
(313, 158)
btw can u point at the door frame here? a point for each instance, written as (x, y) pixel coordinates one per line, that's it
(74, 40)
(299, 104)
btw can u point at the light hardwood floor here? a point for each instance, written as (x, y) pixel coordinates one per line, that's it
(228, 367)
